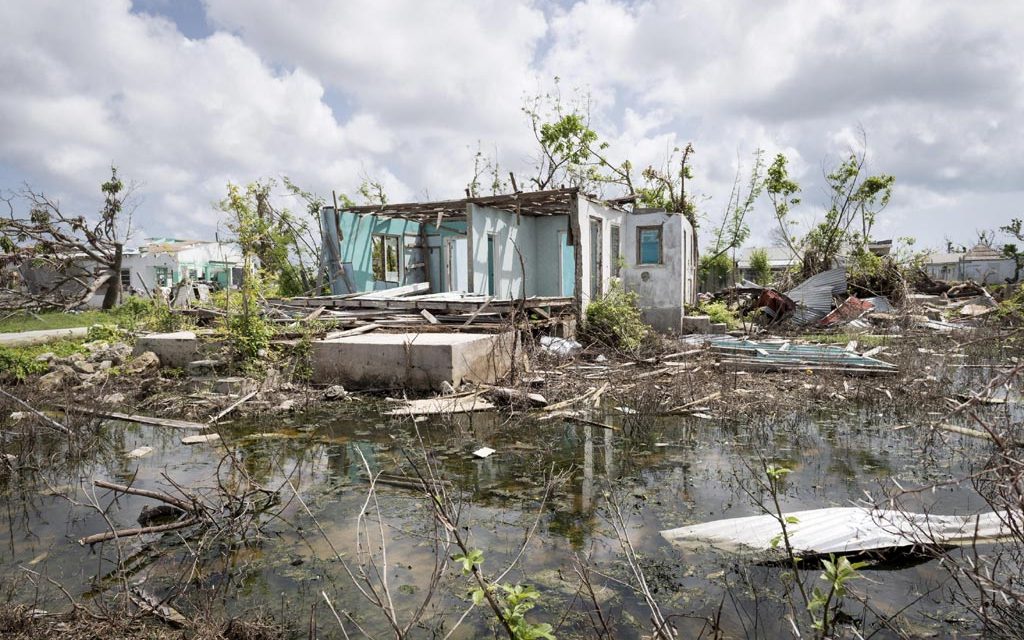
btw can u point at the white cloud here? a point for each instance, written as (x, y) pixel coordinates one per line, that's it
(402, 90)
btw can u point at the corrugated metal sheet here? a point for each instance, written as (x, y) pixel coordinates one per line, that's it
(813, 297)
(781, 355)
(841, 530)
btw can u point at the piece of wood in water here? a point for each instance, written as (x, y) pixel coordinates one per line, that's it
(965, 431)
(150, 420)
(139, 452)
(440, 406)
(507, 395)
(841, 530)
(210, 437)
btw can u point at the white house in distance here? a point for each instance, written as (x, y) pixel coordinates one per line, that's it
(982, 264)
(164, 262)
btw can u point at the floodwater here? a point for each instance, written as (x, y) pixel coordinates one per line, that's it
(661, 472)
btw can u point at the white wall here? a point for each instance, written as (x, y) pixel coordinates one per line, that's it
(608, 216)
(509, 235)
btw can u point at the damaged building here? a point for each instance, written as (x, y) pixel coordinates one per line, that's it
(542, 244)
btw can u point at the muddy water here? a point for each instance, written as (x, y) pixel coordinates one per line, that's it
(662, 472)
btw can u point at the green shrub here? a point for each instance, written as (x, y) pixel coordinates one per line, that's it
(104, 332)
(615, 320)
(18, 363)
(133, 312)
(250, 336)
(760, 266)
(719, 312)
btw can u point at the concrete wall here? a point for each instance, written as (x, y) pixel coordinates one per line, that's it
(548, 252)
(662, 289)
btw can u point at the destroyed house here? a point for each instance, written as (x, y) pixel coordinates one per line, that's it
(557, 244)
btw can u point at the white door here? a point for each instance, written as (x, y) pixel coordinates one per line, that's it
(456, 264)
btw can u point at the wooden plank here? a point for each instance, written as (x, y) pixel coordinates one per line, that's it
(395, 292)
(150, 420)
(476, 313)
(429, 316)
(366, 328)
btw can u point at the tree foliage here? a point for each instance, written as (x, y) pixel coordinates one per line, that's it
(571, 153)
(760, 267)
(734, 230)
(855, 200)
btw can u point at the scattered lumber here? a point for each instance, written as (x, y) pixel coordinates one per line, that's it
(593, 396)
(964, 431)
(366, 328)
(42, 416)
(694, 403)
(233, 406)
(210, 437)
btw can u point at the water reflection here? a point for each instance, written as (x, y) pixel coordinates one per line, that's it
(675, 471)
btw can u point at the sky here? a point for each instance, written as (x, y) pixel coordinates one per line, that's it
(185, 96)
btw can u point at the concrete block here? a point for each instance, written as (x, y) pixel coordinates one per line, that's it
(664, 319)
(412, 360)
(696, 324)
(174, 349)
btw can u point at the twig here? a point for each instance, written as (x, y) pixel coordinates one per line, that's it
(48, 420)
(137, 531)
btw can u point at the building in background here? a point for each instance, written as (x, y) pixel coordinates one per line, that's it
(983, 264)
(164, 262)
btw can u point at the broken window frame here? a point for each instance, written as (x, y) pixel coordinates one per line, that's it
(163, 276)
(640, 245)
(126, 278)
(382, 259)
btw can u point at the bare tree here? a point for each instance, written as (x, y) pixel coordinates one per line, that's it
(84, 256)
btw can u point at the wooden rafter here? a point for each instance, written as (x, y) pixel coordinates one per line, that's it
(531, 203)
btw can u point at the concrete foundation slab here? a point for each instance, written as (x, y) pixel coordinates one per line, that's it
(174, 349)
(412, 360)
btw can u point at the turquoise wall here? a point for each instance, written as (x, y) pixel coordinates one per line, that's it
(357, 248)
